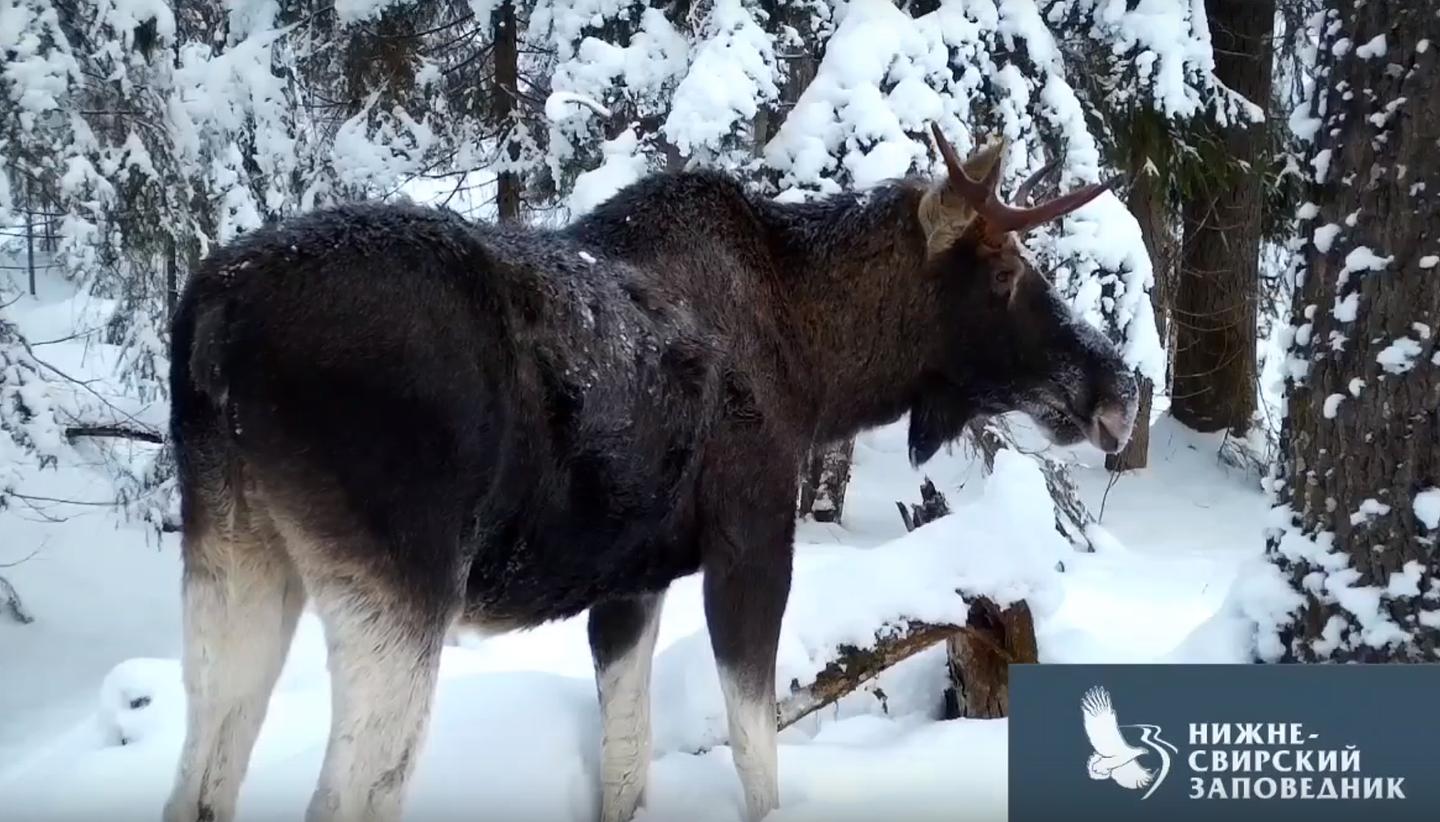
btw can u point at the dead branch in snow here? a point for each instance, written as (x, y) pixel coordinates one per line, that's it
(114, 432)
(992, 638)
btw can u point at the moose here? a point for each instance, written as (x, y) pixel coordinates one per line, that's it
(411, 421)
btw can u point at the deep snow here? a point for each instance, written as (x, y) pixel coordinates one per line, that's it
(91, 709)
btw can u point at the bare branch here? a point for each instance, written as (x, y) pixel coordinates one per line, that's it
(115, 432)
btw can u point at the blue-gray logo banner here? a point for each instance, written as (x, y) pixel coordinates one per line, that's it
(1240, 743)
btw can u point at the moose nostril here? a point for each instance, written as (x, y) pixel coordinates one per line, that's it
(1111, 425)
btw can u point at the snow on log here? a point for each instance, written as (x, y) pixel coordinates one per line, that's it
(854, 667)
(979, 654)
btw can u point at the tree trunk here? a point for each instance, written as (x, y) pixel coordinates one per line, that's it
(1359, 456)
(172, 277)
(1215, 293)
(826, 473)
(1150, 202)
(825, 480)
(502, 106)
(30, 238)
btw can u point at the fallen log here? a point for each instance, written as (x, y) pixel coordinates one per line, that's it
(986, 639)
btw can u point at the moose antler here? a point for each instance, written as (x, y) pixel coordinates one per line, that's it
(1001, 217)
(1022, 194)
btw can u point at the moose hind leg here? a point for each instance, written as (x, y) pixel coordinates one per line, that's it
(241, 599)
(384, 629)
(622, 642)
(744, 604)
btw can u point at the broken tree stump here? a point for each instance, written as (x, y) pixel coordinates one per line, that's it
(932, 507)
(980, 659)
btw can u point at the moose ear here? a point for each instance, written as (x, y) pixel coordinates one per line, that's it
(951, 205)
(983, 161)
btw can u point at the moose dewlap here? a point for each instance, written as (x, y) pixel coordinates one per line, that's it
(405, 419)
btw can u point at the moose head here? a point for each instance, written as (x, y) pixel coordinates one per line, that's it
(1012, 343)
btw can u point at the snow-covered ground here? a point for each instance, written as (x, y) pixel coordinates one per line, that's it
(91, 709)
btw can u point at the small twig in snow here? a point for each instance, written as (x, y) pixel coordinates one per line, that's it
(28, 556)
(1114, 478)
(10, 602)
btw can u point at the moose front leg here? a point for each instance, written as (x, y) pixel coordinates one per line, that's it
(622, 642)
(747, 581)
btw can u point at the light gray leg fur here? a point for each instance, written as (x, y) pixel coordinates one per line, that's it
(241, 600)
(383, 666)
(624, 685)
(751, 714)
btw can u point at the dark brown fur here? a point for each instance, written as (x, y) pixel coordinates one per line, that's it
(514, 426)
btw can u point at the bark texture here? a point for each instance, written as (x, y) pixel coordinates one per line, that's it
(933, 506)
(981, 656)
(1218, 282)
(856, 666)
(1362, 439)
(826, 477)
(1151, 203)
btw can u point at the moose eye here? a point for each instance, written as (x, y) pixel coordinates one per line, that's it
(1003, 279)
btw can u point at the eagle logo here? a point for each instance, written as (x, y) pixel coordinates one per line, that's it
(1115, 758)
